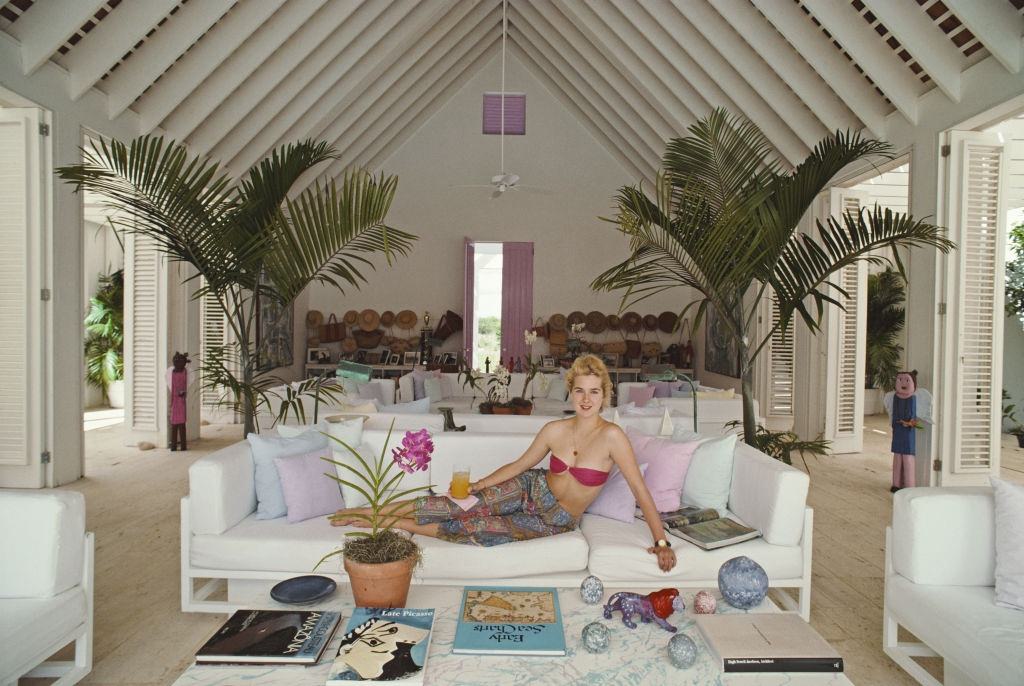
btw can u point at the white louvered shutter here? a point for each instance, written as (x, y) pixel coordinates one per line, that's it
(844, 412)
(21, 307)
(214, 335)
(780, 367)
(977, 222)
(145, 347)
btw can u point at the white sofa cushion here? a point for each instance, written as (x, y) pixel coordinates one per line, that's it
(276, 546)
(26, 624)
(944, 535)
(945, 616)
(1009, 507)
(222, 490)
(41, 539)
(768, 495)
(618, 552)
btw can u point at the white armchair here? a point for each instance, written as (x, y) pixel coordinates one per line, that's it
(46, 585)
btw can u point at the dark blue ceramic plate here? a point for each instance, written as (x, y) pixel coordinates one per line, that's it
(303, 589)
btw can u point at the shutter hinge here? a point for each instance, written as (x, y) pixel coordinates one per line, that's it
(45, 457)
(945, 150)
(44, 129)
(942, 308)
(937, 466)
(44, 294)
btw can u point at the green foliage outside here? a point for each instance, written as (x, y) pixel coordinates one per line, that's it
(104, 332)
(487, 342)
(885, 320)
(1015, 275)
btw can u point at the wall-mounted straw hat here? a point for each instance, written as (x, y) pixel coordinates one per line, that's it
(667, 321)
(631, 322)
(596, 322)
(314, 318)
(406, 319)
(369, 320)
(387, 319)
(557, 322)
(351, 317)
(614, 323)
(349, 345)
(650, 322)
(576, 317)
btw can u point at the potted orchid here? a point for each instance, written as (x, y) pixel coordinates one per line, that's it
(521, 403)
(379, 560)
(497, 391)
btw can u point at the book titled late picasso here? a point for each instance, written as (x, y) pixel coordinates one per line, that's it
(384, 645)
(509, 621)
(271, 636)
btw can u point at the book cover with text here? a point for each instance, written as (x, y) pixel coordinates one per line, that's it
(271, 636)
(509, 621)
(384, 645)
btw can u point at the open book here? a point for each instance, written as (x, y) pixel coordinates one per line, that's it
(704, 528)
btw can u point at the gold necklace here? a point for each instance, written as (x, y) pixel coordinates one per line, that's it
(575, 427)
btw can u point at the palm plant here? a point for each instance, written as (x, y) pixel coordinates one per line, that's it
(104, 333)
(246, 240)
(885, 320)
(723, 219)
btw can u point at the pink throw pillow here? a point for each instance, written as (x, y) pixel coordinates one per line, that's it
(663, 389)
(308, 492)
(667, 463)
(641, 395)
(616, 499)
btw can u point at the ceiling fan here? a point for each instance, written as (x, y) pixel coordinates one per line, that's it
(504, 181)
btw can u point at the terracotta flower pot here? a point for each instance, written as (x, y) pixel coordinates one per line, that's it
(380, 585)
(524, 409)
(498, 409)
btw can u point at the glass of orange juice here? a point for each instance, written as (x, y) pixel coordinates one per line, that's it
(460, 482)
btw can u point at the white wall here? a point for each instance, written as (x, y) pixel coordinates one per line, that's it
(557, 154)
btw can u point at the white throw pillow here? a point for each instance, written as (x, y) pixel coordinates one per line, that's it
(351, 496)
(434, 389)
(447, 389)
(421, 406)
(270, 502)
(371, 391)
(347, 430)
(291, 431)
(709, 477)
(1009, 507)
(556, 389)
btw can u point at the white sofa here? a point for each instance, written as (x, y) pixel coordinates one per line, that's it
(328, 406)
(46, 585)
(939, 586)
(222, 541)
(465, 400)
(712, 413)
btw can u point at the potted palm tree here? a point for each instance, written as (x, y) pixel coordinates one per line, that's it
(885, 320)
(722, 220)
(249, 240)
(104, 338)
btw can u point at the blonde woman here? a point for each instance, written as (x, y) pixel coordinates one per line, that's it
(519, 501)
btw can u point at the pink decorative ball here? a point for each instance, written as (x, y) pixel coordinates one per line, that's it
(704, 603)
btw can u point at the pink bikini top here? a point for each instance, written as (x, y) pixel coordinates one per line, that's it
(586, 477)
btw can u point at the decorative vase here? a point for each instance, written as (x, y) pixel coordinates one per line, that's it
(499, 409)
(382, 584)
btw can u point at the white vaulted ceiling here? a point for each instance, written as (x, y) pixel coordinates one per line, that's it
(235, 78)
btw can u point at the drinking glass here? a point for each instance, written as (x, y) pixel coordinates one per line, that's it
(460, 482)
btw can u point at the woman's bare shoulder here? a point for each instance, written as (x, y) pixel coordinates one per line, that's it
(556, 427)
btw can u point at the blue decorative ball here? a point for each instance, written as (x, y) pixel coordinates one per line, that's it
(743, 582)
(596, 637)
(592, 590)
(682, 651)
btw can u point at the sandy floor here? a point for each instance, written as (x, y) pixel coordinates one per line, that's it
(142, 637)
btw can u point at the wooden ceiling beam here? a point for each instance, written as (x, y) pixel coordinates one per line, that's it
(160, 51)
(248, 58)
(45, 26)
(997, 25)
(873, 55)
(798, 29)
(734, 49)
(198, 63)
(788, 64)
(110, 40)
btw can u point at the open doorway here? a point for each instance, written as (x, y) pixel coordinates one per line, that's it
(487, 278)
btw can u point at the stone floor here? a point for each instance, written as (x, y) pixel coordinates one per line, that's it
(142, 637)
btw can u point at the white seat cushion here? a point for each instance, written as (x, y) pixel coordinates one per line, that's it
(618, 552)
(47, 529)
(276, 546)
(962, 624)
(26, 624)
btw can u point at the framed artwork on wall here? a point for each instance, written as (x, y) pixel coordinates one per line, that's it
(547, 361)
(318, 355)
(449, 358)
(394, 359)
(411, 358)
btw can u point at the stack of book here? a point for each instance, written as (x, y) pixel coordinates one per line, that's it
(766, 642)
(271, 637)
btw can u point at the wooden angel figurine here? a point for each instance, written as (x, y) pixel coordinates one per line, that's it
(179, 378)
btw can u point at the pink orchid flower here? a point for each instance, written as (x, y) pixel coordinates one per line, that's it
(414, 453)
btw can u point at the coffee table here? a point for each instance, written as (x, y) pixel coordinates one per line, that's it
(636, 656)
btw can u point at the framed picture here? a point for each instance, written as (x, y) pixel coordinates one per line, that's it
(373, 358)
(411, 358)
(361, 356)
(437, 358)
(394, 359)
(611, 360)
(318, 355)
(547, 361)
(449, 358)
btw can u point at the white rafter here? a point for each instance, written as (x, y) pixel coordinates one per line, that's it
(45, 26)
(110, 40)
(405, 80)
(278, 67)
(748, 64)
(821, 54)
(671, 106)
(233, 72)
(997, 25)
(873, 55)
(787, 63)
(270, 112)
(595, 65)
(160, 51)
(187, 73)
(923, 39)
(596, 93)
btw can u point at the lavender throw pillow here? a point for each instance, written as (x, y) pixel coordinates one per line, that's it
(667, 463)
(640, 395)
(308, 492)
(663, 389)
(616, 499)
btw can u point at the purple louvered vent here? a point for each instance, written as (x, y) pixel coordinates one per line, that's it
(515, 113)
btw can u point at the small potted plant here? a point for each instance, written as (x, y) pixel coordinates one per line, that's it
(380, 560)
(472, 378)
(521, 403)
(497, 393)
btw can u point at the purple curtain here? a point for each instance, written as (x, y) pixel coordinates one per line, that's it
(516, 297)
(467, 306)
